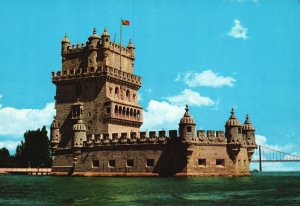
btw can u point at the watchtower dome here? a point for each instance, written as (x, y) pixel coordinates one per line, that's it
(233, 129)
(187, 126)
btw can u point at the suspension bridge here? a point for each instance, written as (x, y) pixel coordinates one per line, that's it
(265, 154)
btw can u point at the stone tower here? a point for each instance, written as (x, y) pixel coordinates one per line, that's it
(96, 91)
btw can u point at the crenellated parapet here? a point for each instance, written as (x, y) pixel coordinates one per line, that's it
(211, 137)
(112, 74)
(124, 138)
(97, 51)
(75, 48)
(153, 137)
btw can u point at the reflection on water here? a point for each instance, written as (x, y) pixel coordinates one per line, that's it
(259, 189)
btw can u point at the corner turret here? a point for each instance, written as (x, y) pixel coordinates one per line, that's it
(94, 39)
(249, 131)
(131, 48)
(93, 43)
(187, 126)
(65, 44)
(105, 38)
(79, 128)
(249, 135)
(233, 129)
(54, 134)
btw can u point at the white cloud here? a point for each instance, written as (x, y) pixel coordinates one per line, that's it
(191, 98)
(207, 78)
(14, 122)
(262, 140)
(10, 145)
(177, 77)
(160, 115)
(238, 31)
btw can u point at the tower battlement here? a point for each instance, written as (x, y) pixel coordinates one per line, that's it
(96, 52)
(80, 74)
(114, 47)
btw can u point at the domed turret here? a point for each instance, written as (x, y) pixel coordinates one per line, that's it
(105, 38)
(187, 126)
(65, 44)
(247, 125)
(94, 35)
(130, 44)
(79, 128)
(249, 131)
(54, 134)
(232, 121)
(131, 47)
(94, 40)
(233, 129)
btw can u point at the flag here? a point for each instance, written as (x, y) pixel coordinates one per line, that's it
(124, 22)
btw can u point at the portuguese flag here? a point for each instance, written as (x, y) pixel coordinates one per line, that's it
(124, 22)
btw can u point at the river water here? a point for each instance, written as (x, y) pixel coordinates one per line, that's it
(274, 188)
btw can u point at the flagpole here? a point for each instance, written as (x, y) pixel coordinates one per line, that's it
(121, 44)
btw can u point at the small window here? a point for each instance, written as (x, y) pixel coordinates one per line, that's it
(108, 110)
(130, 163)
(220, 162)
(96, 163)
(189, 129)
(112, 163)
(202, 162)
(150, 162)
(239, 130)
(116, 90)
(89, 114)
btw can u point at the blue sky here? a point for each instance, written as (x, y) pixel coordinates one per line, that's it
(214, 55)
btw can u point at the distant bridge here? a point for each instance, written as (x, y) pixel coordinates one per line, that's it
(266, 154)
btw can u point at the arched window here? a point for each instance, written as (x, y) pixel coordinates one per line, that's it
(128, 95)
(117, 91)
(134, 113)
(127, 111)
(189, 129)
(116, 109)
(123, 111)
(131, 112)
(120, 110)
(138, 114)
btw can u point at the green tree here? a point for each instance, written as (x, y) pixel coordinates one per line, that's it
(35, 150)
(5, 158)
